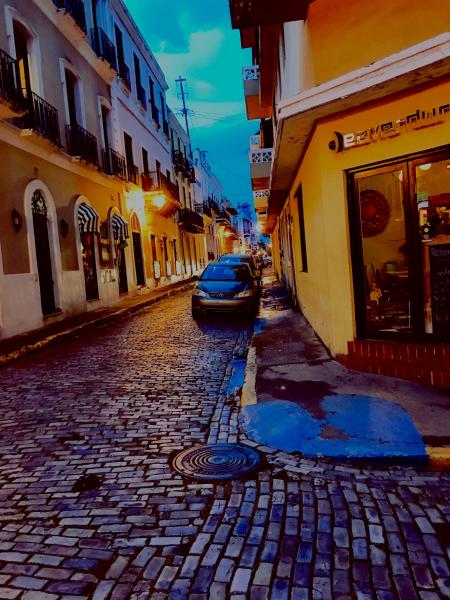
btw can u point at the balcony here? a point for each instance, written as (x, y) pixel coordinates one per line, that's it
(103, 47)
(133, 174)
(178, 161)
(248, 13)
(141, 96)
(74, 8)
(41, 118)
(160, 192)
(207, 211)
(190, 221)
(261, 200)
(81, 144)
(124, 74)
(250, 76)
(155, 181)
(223, 218)
(114, 163)
(214, 206)
(12, 101)
(260, 167)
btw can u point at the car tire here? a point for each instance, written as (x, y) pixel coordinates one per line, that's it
(195, 314)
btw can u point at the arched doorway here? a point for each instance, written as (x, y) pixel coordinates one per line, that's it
(88, 221)
(39, 211)
(137, 250)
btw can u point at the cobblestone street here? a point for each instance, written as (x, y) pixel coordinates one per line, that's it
(117, 403)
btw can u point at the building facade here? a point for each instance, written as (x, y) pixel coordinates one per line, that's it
(353, 181)
(94, 199)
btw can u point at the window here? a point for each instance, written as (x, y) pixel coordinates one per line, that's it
(140, 92)
(71, 85)
(145, 161)
(153, 246)
(105, 125)
(301, 219)
(119, 46)
(21, 45)
(128, 149)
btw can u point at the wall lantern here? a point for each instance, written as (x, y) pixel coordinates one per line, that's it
(17, 220)
(64, 226)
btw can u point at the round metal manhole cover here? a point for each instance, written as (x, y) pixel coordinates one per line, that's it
(217, 462)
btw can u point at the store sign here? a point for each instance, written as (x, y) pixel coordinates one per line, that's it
(417, 120)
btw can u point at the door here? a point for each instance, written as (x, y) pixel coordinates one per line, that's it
(89, 265)
(21, 46)
(430, 192)
(43, 254)
(123, 281)
(138, 258)
(401, 249)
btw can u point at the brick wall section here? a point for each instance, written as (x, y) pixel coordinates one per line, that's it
(423, 363)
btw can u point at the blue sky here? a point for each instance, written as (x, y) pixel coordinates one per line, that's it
(194, 39)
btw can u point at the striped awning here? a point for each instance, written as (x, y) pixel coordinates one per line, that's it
(88, 219)
(119, 227)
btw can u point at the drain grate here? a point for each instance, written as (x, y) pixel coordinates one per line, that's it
(217, 462)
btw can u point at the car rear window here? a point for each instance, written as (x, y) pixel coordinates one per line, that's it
(226, 272)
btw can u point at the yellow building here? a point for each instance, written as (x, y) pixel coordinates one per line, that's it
(357, 96)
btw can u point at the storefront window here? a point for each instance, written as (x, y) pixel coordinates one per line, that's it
(385, 253)
(433, 204)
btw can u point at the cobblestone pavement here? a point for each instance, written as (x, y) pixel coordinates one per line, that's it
(115, 404)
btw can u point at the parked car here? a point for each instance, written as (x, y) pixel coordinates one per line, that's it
(224, 287)
(243, 258)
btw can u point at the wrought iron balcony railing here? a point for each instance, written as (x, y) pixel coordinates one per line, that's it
(124, 74)
(155, 181)
(191, 221)
(133, 174)
(178, 161)
(224, 218)
(41, 117)
(103, 47)
(10, 89)
(76, 10)
(114, 163)
(82, 143)
(141, 96)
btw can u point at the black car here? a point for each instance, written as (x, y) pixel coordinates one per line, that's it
(225, 287)
(243, 258)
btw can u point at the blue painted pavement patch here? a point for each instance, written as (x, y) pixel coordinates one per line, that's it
(353, 427)
(237, 375)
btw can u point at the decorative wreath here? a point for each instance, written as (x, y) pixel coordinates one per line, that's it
(375, 213)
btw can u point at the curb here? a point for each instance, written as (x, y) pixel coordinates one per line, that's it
(53, 339)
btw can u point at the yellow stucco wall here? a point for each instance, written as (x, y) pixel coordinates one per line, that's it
(17, 169)
(325, 293)
(344, 36)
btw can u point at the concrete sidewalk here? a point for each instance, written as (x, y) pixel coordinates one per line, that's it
(15, 347)
(296, 398)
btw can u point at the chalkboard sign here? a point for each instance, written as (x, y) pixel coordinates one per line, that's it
(440, 289)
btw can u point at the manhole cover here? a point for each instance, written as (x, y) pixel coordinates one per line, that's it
(217, 462)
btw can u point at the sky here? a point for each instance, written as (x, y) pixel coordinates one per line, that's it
(194, 39)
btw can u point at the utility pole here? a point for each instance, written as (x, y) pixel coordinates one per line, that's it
(185, 111)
